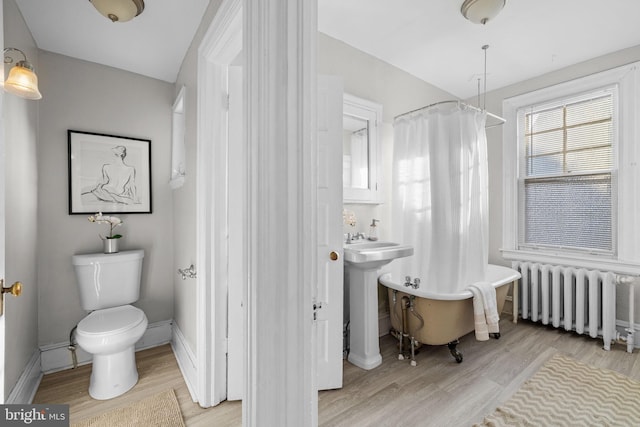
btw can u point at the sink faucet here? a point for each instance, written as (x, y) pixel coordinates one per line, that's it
(349, 238)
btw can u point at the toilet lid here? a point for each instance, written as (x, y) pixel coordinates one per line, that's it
(111, 320)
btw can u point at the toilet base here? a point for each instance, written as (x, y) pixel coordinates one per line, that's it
(113, 374)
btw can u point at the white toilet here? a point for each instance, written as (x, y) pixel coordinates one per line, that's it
(108, 283)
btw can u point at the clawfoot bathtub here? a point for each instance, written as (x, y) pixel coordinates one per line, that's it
(439, 319)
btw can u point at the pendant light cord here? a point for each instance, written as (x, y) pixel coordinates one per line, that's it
(484, 101)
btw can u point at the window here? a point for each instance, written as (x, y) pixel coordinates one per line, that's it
(571, 173)
(566, 172)
(178, 161)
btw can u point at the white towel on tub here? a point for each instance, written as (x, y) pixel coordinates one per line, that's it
(485, 310)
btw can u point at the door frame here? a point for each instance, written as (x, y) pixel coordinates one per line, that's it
(281, 127)
(280, 110)
(3, 397)
(219, 47)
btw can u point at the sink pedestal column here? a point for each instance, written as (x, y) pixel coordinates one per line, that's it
(364, 346)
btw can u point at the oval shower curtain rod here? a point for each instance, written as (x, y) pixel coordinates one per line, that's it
(501, 120)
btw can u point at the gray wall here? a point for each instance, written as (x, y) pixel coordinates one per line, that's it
(495, 146)
(398, 91)
(21, 225)
(380, 82)
(85, 96)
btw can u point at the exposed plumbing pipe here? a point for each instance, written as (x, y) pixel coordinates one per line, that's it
(394, 299)
(631, 330)
(397, 334)
(415, 313)
(72, 348)
(414, 342)
(629, 339)
(405, 326)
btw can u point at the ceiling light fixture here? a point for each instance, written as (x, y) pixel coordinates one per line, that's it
(22, 80)
(481, 11)
(119, 10)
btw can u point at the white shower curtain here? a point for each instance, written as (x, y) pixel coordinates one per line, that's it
(440, 200)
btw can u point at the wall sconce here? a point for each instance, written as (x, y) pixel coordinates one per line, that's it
(481, 11)
(119, 10)
(22, 80)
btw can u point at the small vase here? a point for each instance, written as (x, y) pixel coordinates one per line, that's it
(110, 246)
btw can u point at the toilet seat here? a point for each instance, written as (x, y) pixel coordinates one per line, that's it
(111, 321)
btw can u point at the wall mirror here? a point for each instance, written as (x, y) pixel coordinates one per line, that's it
(360, 159)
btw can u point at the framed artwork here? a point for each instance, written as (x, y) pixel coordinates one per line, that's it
(108, 173)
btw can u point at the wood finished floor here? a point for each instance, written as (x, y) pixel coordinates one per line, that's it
(437, 392)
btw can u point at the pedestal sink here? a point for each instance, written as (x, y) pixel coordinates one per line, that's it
(363, 260)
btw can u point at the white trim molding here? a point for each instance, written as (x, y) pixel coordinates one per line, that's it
(626, 257)
(281, 129)
(57, 357)
(186, 360)
(28, 382)
(220, 46)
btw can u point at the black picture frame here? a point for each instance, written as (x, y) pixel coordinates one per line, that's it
(108, 173)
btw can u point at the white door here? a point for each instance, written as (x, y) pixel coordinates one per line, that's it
(237, 217)
(329, 294)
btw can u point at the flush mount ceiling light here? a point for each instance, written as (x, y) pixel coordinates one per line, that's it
(22, 80)
(119, 10)
(481, 11)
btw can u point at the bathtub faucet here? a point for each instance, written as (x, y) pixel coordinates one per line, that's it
(415, 284)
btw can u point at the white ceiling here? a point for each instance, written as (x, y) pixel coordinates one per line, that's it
(152, 44)
(433, 41)
(428, 38)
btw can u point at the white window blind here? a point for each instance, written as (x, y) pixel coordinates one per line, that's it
(566, 184)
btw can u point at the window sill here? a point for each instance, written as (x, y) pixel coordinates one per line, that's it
(580, 261)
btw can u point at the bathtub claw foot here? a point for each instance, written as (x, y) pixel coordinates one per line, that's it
(495, 335)
(454, 351)
(400, 357)
(413, 363)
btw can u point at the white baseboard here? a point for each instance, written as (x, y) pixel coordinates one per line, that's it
(28, 382)
(157, 333)
(186, 360)
(57, 357)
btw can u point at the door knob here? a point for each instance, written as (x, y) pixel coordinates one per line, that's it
(334, 255)
(15, 290)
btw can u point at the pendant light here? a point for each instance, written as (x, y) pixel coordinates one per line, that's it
(22, 80)
(481, 11)
(119, 10)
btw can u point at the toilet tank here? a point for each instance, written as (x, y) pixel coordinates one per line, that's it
(108, 280)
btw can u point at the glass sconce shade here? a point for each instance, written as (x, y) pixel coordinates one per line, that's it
(22, 80)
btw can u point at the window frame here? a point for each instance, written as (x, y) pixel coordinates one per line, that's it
(523, 177)
(626, 250)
